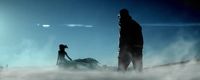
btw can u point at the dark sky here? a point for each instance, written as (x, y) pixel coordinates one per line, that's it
(31, 30)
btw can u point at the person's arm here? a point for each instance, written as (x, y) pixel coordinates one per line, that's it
(58, 59)
(68, 57)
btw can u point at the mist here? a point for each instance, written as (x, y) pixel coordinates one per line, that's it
(170, 45)
(183, 47)
(189, 71)
(182, 44)
(31, 31)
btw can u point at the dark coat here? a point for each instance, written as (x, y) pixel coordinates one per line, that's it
(130, 33)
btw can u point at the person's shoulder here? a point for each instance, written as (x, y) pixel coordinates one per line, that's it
(59, 51)
(135, 23)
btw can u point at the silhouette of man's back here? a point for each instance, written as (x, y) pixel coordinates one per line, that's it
(130, 42)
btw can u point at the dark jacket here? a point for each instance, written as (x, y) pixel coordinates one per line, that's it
(130, 33)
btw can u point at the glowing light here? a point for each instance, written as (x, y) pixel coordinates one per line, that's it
(79, 25)
(46, 25)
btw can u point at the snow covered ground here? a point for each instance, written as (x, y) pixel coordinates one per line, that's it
(189, 71)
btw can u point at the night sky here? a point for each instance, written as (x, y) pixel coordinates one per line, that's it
(31, 30)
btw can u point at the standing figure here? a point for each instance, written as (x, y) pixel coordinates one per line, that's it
(130, 42)
(61, 55)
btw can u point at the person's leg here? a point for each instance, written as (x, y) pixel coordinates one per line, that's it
(138, 63)
(137, 59)
(123, 59)
(133, 61)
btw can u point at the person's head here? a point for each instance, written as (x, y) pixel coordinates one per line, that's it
(62, 46)
(123, 13)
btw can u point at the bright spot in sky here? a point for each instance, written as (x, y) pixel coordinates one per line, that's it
(88, 26)
(79, 25)
(74, 25)
(46, 25)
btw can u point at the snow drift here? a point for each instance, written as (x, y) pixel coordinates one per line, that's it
(188, 71)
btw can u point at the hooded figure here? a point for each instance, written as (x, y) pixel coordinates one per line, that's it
(130, 42)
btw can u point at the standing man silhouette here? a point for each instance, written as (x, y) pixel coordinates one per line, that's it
(130, 42)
